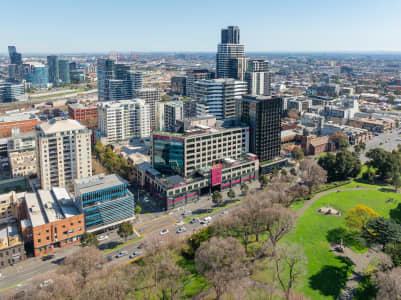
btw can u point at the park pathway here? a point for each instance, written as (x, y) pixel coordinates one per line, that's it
(360, 261)
(317, 196)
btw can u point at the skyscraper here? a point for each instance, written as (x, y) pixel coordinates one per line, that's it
(194, 76)
(116, 81)
(263, 115)
(258, 77)
(38, 76)
(64, 151)
(64, 71)
(15, 69)
(52, 64)
(230, 58)
(151, 96)
(221, 96)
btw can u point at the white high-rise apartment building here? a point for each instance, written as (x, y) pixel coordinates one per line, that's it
(221, 96)
(64, 153)
(123, 120)
(151, 96)
(258, 78)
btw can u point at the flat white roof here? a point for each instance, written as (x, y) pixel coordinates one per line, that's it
(60, 126)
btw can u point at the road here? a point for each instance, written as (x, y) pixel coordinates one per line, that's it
(387, 141)
(19, 276)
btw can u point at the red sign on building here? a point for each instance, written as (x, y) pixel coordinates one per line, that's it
(216, 175)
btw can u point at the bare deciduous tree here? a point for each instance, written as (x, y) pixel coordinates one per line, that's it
(288, 267)
(389, 284)
(221, 261)
(312, 174)
(84, 262)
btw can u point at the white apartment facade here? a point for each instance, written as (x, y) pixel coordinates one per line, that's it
(123, 120)
(64, 153)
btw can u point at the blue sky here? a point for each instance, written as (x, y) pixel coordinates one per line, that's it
(175, 25)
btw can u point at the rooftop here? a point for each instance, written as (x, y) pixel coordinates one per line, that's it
(55, 126)
(98, 182)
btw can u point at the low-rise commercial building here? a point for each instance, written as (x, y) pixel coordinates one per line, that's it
(105, 201)
(11, 245)
(52, 221)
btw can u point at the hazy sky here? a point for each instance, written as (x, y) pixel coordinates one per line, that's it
(177, 25)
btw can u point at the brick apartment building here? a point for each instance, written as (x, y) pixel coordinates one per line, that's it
(23, 125)
(87, 115)
(53, 220)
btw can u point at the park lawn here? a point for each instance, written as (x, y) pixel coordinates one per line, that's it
(123, 245)
(327, 274)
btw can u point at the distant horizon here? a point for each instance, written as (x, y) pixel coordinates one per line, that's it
(377, 52)
(187, 26)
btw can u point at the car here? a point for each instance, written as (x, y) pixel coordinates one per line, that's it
(121, 253)
(224, 212)
(164, 231)
(109, 258)
(46, 257)
(135, 254)
(102, 238)
(146, 199)
(194, 220)
(141, 245)
(203, 223)
(207, 219)
(187, 212)
(46, 283)
(181, 229)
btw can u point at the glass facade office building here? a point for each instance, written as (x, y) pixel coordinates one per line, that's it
(39, 77)
(104, 200)
(168, 154)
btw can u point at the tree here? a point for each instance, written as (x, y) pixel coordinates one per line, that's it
(385, 163)
(125, 230)
(231, 194)
(217, 198)
(389, 284)
(341, 166)
(293, 172)
(394, 251)
(244, 188)
(288, 267)
(84, 262)
(89, 239)
(396, 181)
(275, 172)
(297, 154)
(137, 209)
(312, 174)
(220, 260)
(382, 231)
(369, 174)
(277, 221)
(340, 139)
(356, 218)
(263, 180)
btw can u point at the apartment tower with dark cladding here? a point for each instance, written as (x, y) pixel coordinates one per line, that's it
(263, 116)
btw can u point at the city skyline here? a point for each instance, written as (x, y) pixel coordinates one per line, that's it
(287, 26)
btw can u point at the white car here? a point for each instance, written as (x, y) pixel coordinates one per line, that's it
(102, 238)
(164, 231)
(46, 283)
(181, 229)
(207, 219)
(121, 253)
(135, 254)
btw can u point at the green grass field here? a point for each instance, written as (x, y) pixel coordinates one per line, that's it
(326, 273)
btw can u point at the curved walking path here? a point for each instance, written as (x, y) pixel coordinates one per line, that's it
(317, 196)
(360, 260)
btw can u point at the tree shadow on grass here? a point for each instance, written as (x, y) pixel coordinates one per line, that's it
(387, 190)
(330, 280)
(350, 238)
(395, 213)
